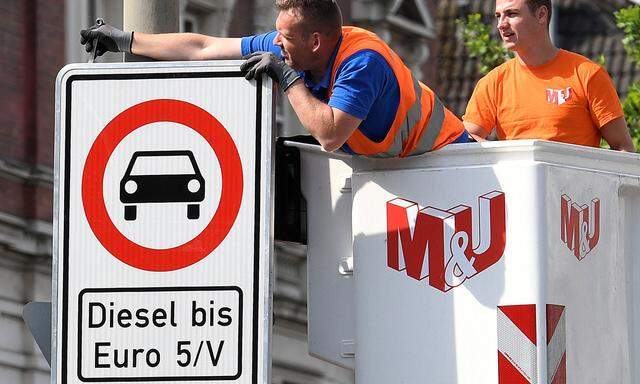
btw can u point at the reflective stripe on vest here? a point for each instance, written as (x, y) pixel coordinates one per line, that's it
(432, 130)
(409, 119)
(414, 114)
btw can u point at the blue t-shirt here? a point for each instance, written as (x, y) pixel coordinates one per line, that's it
(365, 86)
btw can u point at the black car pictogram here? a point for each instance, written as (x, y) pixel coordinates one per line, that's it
(162, 177)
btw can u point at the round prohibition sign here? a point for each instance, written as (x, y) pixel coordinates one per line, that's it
(153, 111)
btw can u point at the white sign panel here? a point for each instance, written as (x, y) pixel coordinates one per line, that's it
(162, 222)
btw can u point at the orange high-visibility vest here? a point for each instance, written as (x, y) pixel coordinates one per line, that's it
(421, 124)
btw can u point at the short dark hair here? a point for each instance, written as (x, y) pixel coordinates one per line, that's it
(317, 15)
(534, 5)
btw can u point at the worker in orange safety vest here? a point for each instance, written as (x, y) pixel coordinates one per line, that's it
(349, 90)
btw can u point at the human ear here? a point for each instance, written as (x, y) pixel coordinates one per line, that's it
(316, 41)
(543, 15)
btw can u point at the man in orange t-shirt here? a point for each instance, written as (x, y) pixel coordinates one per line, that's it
(544, 92)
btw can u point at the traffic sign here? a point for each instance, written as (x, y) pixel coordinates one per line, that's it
(162, 221)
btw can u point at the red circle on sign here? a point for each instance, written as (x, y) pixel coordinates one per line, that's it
(203, 244)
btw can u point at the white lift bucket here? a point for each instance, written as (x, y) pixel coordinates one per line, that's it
(506, 262)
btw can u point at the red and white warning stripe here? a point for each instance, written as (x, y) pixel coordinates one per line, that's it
(517, 345)
(517, 350)
(556, 345)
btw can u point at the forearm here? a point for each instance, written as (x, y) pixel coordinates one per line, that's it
(184, 46)
(316, 117)
(617, 135)
(330, 126)
(477, 132)
(625, 147)
(477, 138)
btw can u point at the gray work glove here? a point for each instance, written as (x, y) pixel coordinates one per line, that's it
(107, 37)
(258, 63)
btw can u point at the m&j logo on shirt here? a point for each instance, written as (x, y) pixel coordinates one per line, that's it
(558, 96)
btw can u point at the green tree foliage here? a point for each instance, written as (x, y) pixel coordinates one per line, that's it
(628, 20)
(477, 38)
(631, 108)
